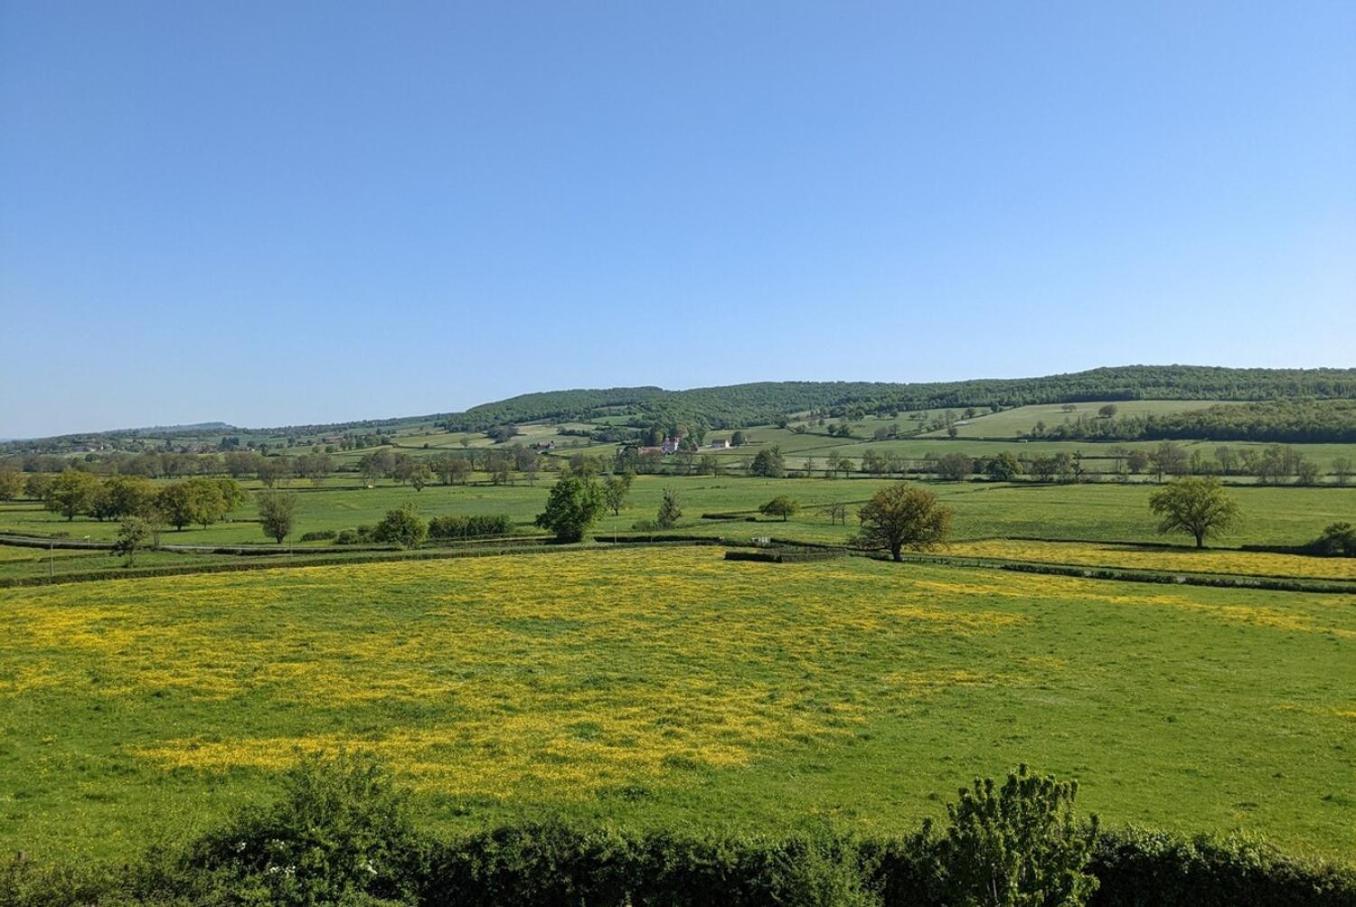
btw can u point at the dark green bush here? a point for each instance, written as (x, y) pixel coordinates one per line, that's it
(319, 535)
(1337, 540)
(469, 527)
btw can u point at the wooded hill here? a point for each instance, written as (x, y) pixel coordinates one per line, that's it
(742, 405)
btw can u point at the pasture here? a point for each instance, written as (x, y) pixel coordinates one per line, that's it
(1097, 512)
(669, 688)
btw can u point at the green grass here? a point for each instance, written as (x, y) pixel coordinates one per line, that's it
(671, 688)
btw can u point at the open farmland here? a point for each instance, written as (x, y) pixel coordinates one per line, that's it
(663, 687)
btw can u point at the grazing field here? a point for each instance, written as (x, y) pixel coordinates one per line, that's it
(667, 687)
(1101, 511)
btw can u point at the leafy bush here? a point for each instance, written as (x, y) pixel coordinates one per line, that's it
(1338, 540)
(341, 833)
(1018, 844)
(347, 537)
(320, 535)
(401, 527)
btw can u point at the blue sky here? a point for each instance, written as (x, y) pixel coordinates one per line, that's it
(271, 213)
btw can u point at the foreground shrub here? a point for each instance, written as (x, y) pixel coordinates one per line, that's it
(340, 833)
(1018, 844)
(320, 535)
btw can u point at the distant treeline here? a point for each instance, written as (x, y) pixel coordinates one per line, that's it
(1299, 421)
(761, 403)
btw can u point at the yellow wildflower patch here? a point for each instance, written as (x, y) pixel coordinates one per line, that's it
(1186, 560)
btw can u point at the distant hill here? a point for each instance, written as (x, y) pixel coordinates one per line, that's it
(751, 404)
(740, 405)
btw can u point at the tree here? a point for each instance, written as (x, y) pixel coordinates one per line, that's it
(1196, 506)
(1003, 468)
(1017, 845)
(838, 514)
(955, 467)
(574, 504)
(272, 470)
(132, 536)
(277, 512)
(452, 469)
(1108, 411)
(1306, 472)
(175, 502)
(402, 527)
(768, 463)
(1137, 460)
(71, 493)
(903, 516)
(669, 511)
(781, 506)
(1341, 469)
(1168, 459)
(11, 484)
(737, 439)
(615, 490)
(124, 496)
(419, 475)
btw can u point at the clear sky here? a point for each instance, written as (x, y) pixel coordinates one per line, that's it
(281, 212)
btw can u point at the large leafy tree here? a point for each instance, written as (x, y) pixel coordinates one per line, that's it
(1196, 506)
(401, 527)
(903, 516)
(574, 504)
(71, 493)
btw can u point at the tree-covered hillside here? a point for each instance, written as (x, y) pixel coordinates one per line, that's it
(742, 405)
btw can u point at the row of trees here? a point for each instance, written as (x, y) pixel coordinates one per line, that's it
(201, 501)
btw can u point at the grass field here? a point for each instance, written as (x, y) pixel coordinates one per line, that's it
(1013, 423)
(670, 687)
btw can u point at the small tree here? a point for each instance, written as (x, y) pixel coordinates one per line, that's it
(903, 516)
(133, 535)
(955, 467)
(1108, 411)
(781, 506)
(574, 504)
(737, 439)
(768, 463)
(615, 490)
(1017, 845)
(402, 527)
(669, 511)
(277, 512)
(1196, 506)
(1003, 468)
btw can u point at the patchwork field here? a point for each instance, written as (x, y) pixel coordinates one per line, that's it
(668, 686)
(1187, 560)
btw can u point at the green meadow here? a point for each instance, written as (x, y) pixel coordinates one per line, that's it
(670, 688)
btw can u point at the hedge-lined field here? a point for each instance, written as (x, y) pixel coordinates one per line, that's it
(1105, 512)
(668, 687)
